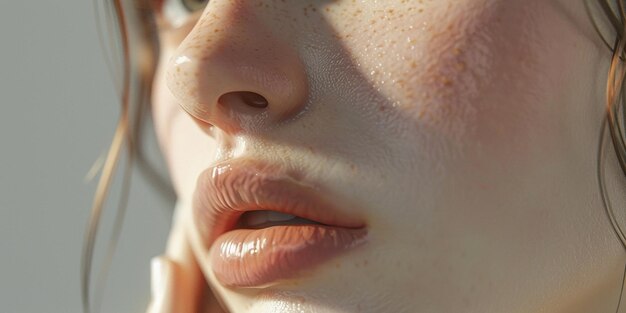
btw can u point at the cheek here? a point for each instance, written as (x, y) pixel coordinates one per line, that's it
(475, 72)
(187, 149)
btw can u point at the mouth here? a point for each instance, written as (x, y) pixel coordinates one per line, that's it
(263, 224)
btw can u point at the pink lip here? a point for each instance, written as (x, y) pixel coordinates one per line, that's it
(255, 257)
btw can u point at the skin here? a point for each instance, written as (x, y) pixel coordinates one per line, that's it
(463, 132)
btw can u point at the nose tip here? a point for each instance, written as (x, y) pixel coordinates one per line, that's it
(240, 77)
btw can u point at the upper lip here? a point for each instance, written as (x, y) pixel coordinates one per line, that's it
(227, 190)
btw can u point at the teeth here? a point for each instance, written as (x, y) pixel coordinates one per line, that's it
(279, 217)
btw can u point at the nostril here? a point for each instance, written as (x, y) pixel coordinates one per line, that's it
(247, 98)
(253, 99)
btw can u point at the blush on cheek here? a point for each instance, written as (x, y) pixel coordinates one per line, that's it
(529, 86)
(448, 84)
(481, 79)
(443, 88)
(436, 61)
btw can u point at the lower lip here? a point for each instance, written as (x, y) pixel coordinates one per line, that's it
(257, 257)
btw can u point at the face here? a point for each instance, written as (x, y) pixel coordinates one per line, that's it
(440, 155)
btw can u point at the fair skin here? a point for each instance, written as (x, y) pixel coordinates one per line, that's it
(462, 133)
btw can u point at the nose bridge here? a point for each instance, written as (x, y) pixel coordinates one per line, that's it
(231, 52)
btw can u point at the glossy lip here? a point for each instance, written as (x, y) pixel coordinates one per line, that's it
(256, 257)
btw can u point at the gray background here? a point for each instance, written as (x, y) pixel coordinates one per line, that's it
(57, 116)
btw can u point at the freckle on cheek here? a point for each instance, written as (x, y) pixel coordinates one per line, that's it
(443, 87)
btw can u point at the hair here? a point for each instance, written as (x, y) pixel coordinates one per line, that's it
(133, 55)
(615, 101)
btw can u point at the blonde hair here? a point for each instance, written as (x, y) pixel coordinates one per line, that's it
(132, 23)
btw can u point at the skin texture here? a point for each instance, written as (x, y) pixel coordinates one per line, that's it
(464, 132)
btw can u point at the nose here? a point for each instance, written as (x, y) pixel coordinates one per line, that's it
(233, 72)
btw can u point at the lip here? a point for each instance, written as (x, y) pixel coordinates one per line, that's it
(257, 257)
